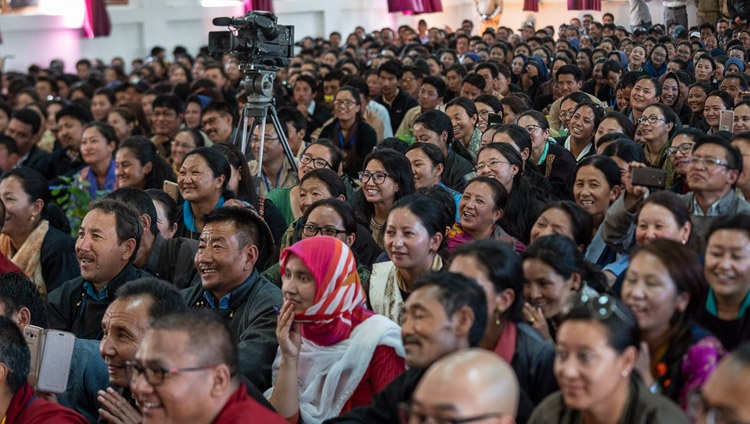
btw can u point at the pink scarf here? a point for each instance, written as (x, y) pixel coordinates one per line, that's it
(339, 298)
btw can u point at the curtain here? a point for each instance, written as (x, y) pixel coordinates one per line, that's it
(531, 5)
(96, 21)
(415, 7)
(248, 5)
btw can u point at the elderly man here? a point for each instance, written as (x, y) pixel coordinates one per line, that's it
(712, 175)
(106, 247)
(232, 288)
(203, 386)
(721, 400)
(137, 305)
(445, 313)
(472, 384)
(18, 403)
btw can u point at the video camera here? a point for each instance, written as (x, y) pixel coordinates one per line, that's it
(259, 39)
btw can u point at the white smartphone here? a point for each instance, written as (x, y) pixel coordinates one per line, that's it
(35, 340)
(54, 365)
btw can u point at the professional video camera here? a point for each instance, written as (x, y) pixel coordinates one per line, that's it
(259, 39)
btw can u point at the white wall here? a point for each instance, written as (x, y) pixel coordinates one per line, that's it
(145, 23)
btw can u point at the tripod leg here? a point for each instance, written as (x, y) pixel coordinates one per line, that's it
(283, 140)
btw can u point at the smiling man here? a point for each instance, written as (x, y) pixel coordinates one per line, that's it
(107, 243)
(230, 286)
(445, 313)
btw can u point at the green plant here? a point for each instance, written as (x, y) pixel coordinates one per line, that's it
(74, 199)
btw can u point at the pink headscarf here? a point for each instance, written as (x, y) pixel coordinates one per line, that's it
(339, 299)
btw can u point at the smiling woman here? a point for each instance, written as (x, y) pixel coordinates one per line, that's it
(98, 145)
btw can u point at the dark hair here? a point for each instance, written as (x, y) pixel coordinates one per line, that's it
(76, 112)
(436, 82)
(106, 92)
(625, 149)
(245, 187)
(437, 121)
(734, 157)
(433, 152)
(140, 201)
(129, 116)
(628, 128)
(393, 67)
(166, 200)
(739, 222)
(165, 297)
(570, 70)
(621, 333)
(398, 167)
(28, 117)
(9, 144)
(36, 187)
(105, 130)
(562, 255)
(216, 161)
(476, 80)
(344, 209)
(195, 134)
(428, 211)
(499, 193)
(490, 101)
(518, 135)
(455, 291)
(145, 152)
(503, 268)
(596, 109)
(333, 149)
(14, 353)
(465, 103)
(725, 97)
(582, 222)
(169, 101)
(18, 291)
(538, 117)
(127, 222)
(606, 165)
(209, 337)
(220, 107)
(332, 181)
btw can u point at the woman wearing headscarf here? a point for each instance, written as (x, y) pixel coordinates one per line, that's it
(349, 353)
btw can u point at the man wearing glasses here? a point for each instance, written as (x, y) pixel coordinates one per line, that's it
(187, 371)
(712, 175)
(217, 122)
(229, 246)
(277, 171)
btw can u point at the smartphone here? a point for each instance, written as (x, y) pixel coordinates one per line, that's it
(54, 365)
(655, 178)
(745, 96)
(726, 121)
(172, 190)
(35, 340)
(494, 118)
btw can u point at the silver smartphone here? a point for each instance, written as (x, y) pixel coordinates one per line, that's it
(54, 365)
(35, 340)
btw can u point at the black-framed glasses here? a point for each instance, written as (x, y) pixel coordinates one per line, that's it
(700, 412)
(311, 230)
(490, 164)
(407, 415)
(345, 103)
(531, 128)
(708, 163)
(377, 177)
(317, 162)
(650, 119)
(154, 374)
(684, 148)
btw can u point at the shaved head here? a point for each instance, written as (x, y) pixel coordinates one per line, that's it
(469, 383)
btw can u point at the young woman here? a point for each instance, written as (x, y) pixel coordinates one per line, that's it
(705, 67)
(597, 348)
(102, 102)
(328, 362)
(414, 233)
(497, 268)
(671, 96)
(614, 122)
(656, 65)
(664, 286)
(98, 145)
(125, 122)
(555, 270)
(680, 152)
(435, 127)
(696, 99)
(36, 233)
(386, 178)
(427, 165)
(502, 162)
(355, 137)
(166, 212)
(138, 164)
(582, 126)
(463, 115)
(596, 186)
(716, 102)
(486, 104)
(658, 124)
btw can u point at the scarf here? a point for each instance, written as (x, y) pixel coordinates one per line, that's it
(386, 285)
(28, 256)
(339, 303)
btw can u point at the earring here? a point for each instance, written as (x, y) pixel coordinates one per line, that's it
(624, 374)
(497, 317)
(32, 217)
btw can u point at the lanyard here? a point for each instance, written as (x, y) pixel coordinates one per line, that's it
(341, 138)
(278, 177)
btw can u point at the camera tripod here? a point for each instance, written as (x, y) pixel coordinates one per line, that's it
(258, 83)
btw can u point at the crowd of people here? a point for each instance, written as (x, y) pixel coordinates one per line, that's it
(542, 226)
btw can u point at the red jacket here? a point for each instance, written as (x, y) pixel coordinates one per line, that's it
(242, 409)
(27, 408)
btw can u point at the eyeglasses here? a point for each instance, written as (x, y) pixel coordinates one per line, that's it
(407, 415)
(567, 114)
(311, 230)
(346, 103)
(266, 139)
(700, 412)
(531, 128)
(490, 164)
(682, 148)
(709, 163)
(377, 177)
(650, 119)
(484, 113)
(317, 162)
(155, 375)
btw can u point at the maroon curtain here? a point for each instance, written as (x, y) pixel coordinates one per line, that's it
(415, 7)
(96, 21)
(248, 5)
(592, 5)
(531, 5)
